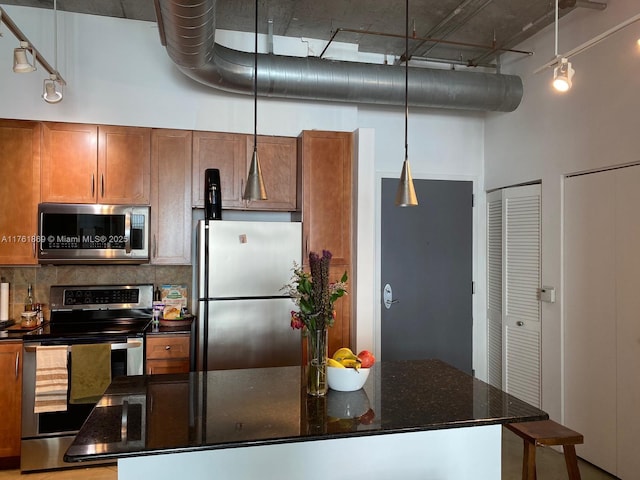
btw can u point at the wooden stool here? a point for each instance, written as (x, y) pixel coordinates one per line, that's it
(547, 432)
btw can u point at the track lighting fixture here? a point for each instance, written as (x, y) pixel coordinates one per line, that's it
(52, 89)
(20, 61)
(562, 75)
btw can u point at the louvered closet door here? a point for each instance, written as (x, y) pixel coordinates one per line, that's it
(521, 332)
(494, 288)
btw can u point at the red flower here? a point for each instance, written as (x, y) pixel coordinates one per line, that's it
(296, 320)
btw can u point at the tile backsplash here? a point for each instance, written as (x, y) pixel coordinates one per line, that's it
(42, 277)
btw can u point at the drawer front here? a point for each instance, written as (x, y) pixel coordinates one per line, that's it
(155, 367)
(165, 346)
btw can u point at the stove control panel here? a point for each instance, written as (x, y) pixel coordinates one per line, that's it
(101, 297)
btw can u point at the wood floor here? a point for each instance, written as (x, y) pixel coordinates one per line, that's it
(550, 466)
(94, 473)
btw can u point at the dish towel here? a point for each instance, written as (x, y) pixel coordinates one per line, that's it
(52, 379)
(90, 372)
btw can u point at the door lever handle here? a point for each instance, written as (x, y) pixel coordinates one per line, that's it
(387, 297)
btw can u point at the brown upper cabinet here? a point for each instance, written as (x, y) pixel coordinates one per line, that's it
(171, 197)
(231, 154)
(279, 165)
(19, 191)
(226, 152)
(327, 191)
(95, 164)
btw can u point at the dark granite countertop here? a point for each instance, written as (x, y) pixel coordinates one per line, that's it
(234, 408)
(168, 329)
(12, 330)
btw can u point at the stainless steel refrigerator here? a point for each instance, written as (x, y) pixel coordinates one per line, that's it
(243, 313)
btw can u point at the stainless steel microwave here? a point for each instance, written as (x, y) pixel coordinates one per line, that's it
(93, 233)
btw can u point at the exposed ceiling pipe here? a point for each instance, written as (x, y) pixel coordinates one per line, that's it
(187, 30)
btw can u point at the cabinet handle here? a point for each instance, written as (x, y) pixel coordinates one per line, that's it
(93, 184)
(168, 347)
(33, 249)
(17, 365)
(155, 246)
(102, 185)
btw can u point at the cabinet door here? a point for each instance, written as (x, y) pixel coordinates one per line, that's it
(171, 197)
(278, 162)
(19, 191)
(10, 398)
(168, 414)
(326, 184)
(340, 333)
(627, 342)
(327, 214)
(590, 344)
(124, 164)
(69, 160)
(226, 152)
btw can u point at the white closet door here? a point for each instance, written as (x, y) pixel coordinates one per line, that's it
(494, 288)
(627, 261)
(521, 283)
(589, 311)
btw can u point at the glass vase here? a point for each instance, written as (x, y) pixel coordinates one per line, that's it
(317, 349)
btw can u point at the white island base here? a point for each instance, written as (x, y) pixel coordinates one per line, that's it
(446, 454)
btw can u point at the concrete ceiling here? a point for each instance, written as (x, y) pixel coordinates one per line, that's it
(468, 29)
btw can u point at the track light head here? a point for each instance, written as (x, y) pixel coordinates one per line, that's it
(52, 89)
(562, 75)
(20, 61)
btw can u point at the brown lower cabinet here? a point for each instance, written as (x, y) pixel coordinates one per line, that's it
(167, 422)
(168, 353)
(10, 403)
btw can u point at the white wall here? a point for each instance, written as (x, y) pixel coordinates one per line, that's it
(592, 126)
(118, 73)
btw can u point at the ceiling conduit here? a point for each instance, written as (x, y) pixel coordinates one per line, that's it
(187, 30)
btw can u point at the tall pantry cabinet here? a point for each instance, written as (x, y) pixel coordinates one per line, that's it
(327, 215)
(602, 331)
(19, 191)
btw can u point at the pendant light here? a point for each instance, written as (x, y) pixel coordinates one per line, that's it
(406, 193)
(254, 189)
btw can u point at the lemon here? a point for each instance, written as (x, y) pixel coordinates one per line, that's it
(344, 353)
(334, 363)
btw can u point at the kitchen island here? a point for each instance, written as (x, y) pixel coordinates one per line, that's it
(418, 419)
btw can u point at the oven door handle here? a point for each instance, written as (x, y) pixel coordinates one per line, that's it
(114, 346)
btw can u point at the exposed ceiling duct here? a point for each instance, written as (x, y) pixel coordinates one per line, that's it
(187, 30)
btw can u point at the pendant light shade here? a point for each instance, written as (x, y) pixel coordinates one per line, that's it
(406, 193)
(20, 61)
(255, 189)
(255, 184)
(52, 90)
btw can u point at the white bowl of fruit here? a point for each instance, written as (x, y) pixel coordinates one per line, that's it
(347, 372)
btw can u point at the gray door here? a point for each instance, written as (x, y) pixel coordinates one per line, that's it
(427, 261)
